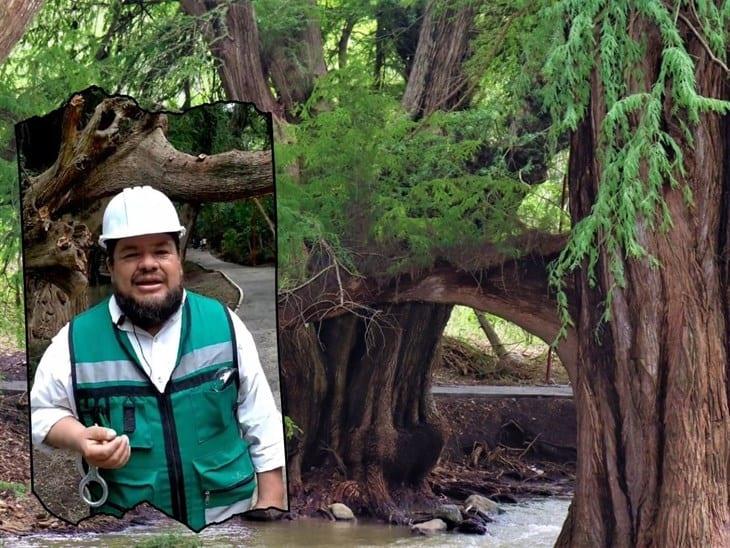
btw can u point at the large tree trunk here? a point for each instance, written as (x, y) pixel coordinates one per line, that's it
(15, 15)
(651, 386)
(119, 146)
(437, 80)
(368, 410)
(234, 41)
(295, 62)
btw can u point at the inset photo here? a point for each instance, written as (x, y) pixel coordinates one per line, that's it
(149, 263)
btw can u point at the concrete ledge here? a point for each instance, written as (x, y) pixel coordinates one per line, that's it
(558, 391)
(13, 387)
(228, 279)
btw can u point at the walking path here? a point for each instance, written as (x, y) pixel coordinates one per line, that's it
(258, 310)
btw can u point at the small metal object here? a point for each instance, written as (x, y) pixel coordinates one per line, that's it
(92, 476)
(223, 378)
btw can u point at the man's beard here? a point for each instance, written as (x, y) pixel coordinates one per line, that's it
(150, 314)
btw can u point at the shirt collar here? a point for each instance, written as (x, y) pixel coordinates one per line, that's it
(116, 314)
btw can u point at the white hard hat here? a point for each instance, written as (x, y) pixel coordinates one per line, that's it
(138, 211)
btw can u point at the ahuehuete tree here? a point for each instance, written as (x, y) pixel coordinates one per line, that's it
(645, 89)
(394, 245)
(642, 288)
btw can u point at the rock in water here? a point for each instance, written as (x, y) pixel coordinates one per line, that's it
(429, 527)
(471, 526)
(450, 513)
(341, 511)
(482, 505)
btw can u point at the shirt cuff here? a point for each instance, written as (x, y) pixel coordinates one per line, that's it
(268, 462)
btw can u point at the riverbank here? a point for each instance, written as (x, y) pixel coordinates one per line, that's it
(535, 524)
(507, 449)
(513, 470)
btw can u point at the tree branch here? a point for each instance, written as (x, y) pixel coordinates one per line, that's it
(515, 289)
(124, 146)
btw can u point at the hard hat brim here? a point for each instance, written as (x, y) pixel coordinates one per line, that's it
(180, 230)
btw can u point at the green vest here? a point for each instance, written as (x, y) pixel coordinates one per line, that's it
(186, 450)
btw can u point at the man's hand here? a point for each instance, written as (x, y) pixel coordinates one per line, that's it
(270, 489)
(99, 446)
(102, 447)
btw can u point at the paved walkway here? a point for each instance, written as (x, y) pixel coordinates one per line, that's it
(13, 386)
(557, 391)
(258, 310)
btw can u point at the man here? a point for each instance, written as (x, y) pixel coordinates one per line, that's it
(160, 388)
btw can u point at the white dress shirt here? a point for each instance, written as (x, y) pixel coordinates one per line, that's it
(51, 397)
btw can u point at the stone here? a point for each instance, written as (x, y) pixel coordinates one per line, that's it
(450, 513)
(429, 527)
(471, 526)
(482, 505)
(341, 512)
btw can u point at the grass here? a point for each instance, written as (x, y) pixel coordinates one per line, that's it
(468, 355)
(463, 324)
(18, 489)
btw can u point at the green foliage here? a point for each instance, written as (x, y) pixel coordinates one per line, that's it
(364, 177)
(220, 127)
(18, 489)
(239, 230)
(464, 325)
(291, 428)
(639, 157)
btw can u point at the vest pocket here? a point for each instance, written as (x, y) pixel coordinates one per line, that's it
(128, 486)
(215, 413)
(227, 476)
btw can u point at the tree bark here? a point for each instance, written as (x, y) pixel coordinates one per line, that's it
(369, 410)
(491, 335)
(343, 42)
(651, 385)
(295, 62)
(234, 41)
(437, 80)
(15, 15)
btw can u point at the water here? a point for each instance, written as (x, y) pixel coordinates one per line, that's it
(534, 523)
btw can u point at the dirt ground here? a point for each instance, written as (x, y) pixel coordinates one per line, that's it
(462, 362)
(12, 364)
(508, 449)
(210, 283)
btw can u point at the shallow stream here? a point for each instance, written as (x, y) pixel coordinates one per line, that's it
(534, 523)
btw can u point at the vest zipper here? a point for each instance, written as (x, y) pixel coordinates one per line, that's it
(172, 450)
(236, 485)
